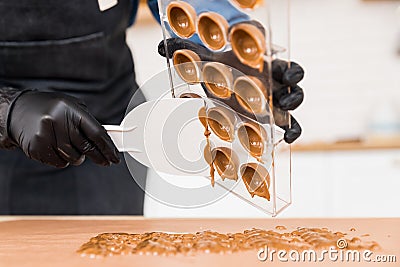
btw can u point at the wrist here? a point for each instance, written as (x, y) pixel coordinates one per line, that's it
(8, 98)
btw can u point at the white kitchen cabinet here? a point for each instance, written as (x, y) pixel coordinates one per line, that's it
(365, 184)
(325, 184)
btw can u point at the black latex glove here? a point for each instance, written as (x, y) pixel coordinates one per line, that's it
(283, 76)
(58, 130)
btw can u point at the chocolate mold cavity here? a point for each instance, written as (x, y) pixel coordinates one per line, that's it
(218, 79)
(253, 138)
(182, 18)
(251, 94)
(187, 65)
(189, 95)
(226, 163)
(248, 43)
(212, 30)
(248, 3)
(256, 179)
(222, 123)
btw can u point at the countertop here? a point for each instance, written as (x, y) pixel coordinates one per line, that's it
(53, 241)
(348, 145)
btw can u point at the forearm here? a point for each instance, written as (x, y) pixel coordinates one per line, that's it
(7, 98)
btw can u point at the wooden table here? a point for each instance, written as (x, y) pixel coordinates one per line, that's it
(53, 241)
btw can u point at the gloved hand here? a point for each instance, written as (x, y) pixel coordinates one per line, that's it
(58, 130)
(283, 78)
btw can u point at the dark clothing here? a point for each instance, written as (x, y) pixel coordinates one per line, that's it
(29, 187)
(70, 47)
(73, 48)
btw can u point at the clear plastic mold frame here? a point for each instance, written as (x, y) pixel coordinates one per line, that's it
(221, 51)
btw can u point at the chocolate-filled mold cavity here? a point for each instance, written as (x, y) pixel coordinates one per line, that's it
(222, 122)
(251, 94)
(256, 179)
(213, 30)
(188, 66)
(248, 43)
(253, 138)
(250, 4)
(182, 18)
(189, 95)
(218, 79)
(226, 163)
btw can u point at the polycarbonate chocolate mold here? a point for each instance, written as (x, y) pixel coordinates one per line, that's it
(213, 30)
(218, 79)
(248, 44)
(187, 65)
(182, 18)
(253, 138)
(226, 162)
(251, 94)
(222, 122)
(251, 4)
(235, 112)
(256, 179)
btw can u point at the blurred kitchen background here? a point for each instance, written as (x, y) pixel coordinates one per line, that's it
(347, 162)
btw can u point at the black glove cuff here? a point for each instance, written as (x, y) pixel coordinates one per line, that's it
(8, 96)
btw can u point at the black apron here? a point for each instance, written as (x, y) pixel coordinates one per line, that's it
(74, 48)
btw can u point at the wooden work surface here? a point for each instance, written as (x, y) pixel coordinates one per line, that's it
(54, 241)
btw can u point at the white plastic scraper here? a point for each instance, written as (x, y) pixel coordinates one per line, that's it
(165, 135)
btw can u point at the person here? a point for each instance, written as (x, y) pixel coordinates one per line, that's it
(65, 70)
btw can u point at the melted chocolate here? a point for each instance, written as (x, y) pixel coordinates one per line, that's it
(256, 179)
(181, 17)
(207, 150)
(226, 163)
(158, 243)
(248, 44)
(252, 137)
(212, 30)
